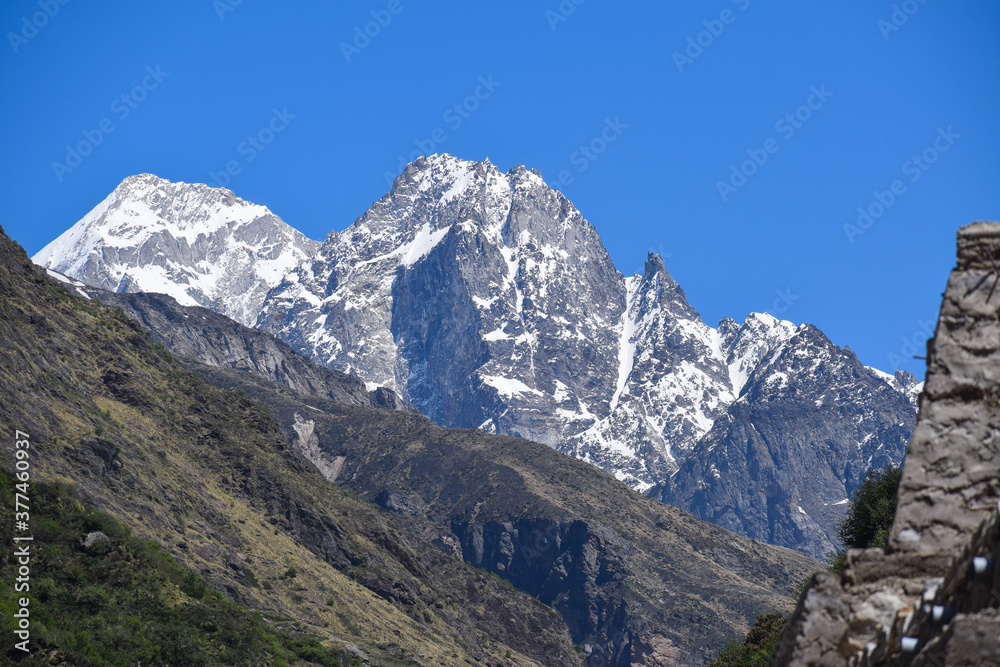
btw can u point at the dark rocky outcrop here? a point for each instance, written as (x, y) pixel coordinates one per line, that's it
(198, 333)
(930, 598)
(563, 564)
(636, 582)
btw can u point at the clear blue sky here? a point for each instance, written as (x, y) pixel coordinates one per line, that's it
(887, 92)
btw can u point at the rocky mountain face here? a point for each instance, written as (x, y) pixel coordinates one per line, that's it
(209, 478)
(216, 340)
(636, 582)
(486, 300)
(783, 460)
(203, 246)
(218, 479)
(930, 597)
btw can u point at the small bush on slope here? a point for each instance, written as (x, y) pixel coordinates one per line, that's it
(867, 524)
(757, 648)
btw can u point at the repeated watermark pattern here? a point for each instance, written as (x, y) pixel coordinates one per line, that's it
(223, 7)
(30, 25)
(364, 34)
(453, 117)
(914, 168)
(122, 107)
(253, 146)
(703, 39)
(901, 13)
(587, 153)
(562, 12)
(786, 126)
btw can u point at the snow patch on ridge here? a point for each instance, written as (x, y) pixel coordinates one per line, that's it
(508, 387)
(626, 340)
(460, 185)
(422, 244)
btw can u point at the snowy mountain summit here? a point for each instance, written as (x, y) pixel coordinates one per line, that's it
(486, 300)
(203, 246)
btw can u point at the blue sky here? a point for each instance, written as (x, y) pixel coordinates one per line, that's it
(737, 138)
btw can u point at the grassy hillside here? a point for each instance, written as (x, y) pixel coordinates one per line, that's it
(122, 601)
(664, 586)
(208, 475)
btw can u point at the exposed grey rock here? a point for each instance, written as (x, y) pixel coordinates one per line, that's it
(308, 444)
(957, 442)
(214, 339)
(486, 300)
(96, 541)
(396, 502)
(930, 598)
(354, 650)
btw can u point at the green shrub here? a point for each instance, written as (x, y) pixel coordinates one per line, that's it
(757, 648)
(250, 576)
(870, 514)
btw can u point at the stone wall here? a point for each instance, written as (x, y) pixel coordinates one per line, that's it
(931, 597)
(953, 481)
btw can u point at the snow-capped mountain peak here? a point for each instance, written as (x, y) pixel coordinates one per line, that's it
(903, 382)
(745, 345)
(201, 245)
(487, 300)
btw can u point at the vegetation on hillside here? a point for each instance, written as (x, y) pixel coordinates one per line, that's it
(122, 601)
(210, 477)
(869, 516)
(757, 648)
(866, 524)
